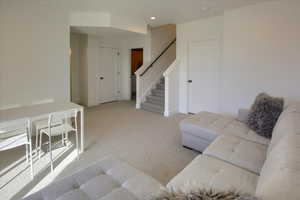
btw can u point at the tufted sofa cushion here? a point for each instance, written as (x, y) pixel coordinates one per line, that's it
(239, 152)
(108, 179)
(205, 124)
(204, 127)
(207, 172)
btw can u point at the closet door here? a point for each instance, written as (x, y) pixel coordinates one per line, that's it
(107, 76)
(203, 76)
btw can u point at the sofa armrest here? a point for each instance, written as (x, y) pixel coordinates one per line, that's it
(243, 115)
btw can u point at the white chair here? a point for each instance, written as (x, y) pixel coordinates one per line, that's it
(40, 124)
(56, 128)
(17, 133)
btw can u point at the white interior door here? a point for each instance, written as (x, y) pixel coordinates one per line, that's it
(107, 75)
(203, 76)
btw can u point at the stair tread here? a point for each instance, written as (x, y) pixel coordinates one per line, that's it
(159, 90)
(156, 100)
(153, 105)
(154, 111)
(156, 97)
(150, 109)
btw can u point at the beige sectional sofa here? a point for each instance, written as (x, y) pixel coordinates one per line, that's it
(238, 159)
(234, 157)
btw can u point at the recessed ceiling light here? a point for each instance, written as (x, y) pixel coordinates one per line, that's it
(153, 18)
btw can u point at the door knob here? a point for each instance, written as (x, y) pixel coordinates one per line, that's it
(101, 78)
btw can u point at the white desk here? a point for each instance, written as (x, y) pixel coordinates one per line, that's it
(42, 111)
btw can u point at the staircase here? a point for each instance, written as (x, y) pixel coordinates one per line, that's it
(150, 87)
(155, 102)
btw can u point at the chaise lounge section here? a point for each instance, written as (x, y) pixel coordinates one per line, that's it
(200, 130)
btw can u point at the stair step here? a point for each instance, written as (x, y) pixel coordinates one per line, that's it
(152, 107)
(156, 100)
(160, 86)
(158, 92)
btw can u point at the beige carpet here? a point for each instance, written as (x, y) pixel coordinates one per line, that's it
(147, 141)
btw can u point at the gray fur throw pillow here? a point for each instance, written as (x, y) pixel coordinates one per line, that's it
(202, 194)
(264, 114)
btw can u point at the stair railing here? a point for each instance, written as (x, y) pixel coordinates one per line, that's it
(158, 57)
(149, 74)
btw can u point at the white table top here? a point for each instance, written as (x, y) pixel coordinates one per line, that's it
(36, 112)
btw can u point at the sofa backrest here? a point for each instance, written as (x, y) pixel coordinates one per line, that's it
(280, 175)
(287, 124)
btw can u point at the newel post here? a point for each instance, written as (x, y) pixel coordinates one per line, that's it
(138, 91)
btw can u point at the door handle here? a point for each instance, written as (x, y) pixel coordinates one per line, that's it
(190, 81)
(101, 78)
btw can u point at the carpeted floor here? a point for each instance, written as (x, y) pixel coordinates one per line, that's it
(147, 141)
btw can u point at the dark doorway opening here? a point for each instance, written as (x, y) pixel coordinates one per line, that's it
(136, 63)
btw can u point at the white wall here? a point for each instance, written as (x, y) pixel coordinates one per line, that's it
(75, 67)
(105, 19)
(34, 50)
(79, 68)
(260, 52)
(161, 37)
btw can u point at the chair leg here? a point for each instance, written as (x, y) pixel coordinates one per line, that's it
(50, 153)
(62, 139)
(67, 139)
(40, 145)
(36, 141)
(77, 147)
(31, 161)
(26, 146)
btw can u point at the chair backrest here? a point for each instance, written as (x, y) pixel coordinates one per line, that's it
(63, 116)
(20, 127)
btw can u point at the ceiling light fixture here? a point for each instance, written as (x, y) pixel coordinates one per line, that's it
(204, 8)
(153, 18)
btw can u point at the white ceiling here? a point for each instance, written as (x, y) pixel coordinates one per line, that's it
(107, 32)
(166, 11)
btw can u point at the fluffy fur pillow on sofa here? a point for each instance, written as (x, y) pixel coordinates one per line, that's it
(264, 114)
(202, 194)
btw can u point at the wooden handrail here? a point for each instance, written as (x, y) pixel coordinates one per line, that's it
(162, 53)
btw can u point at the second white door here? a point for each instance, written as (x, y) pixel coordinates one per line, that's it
(107, 75)
(203, 76)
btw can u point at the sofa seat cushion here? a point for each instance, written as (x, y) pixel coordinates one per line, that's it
(206, 125)
(109, 179)
(239, 152)
(241, 129)
(207, 172)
